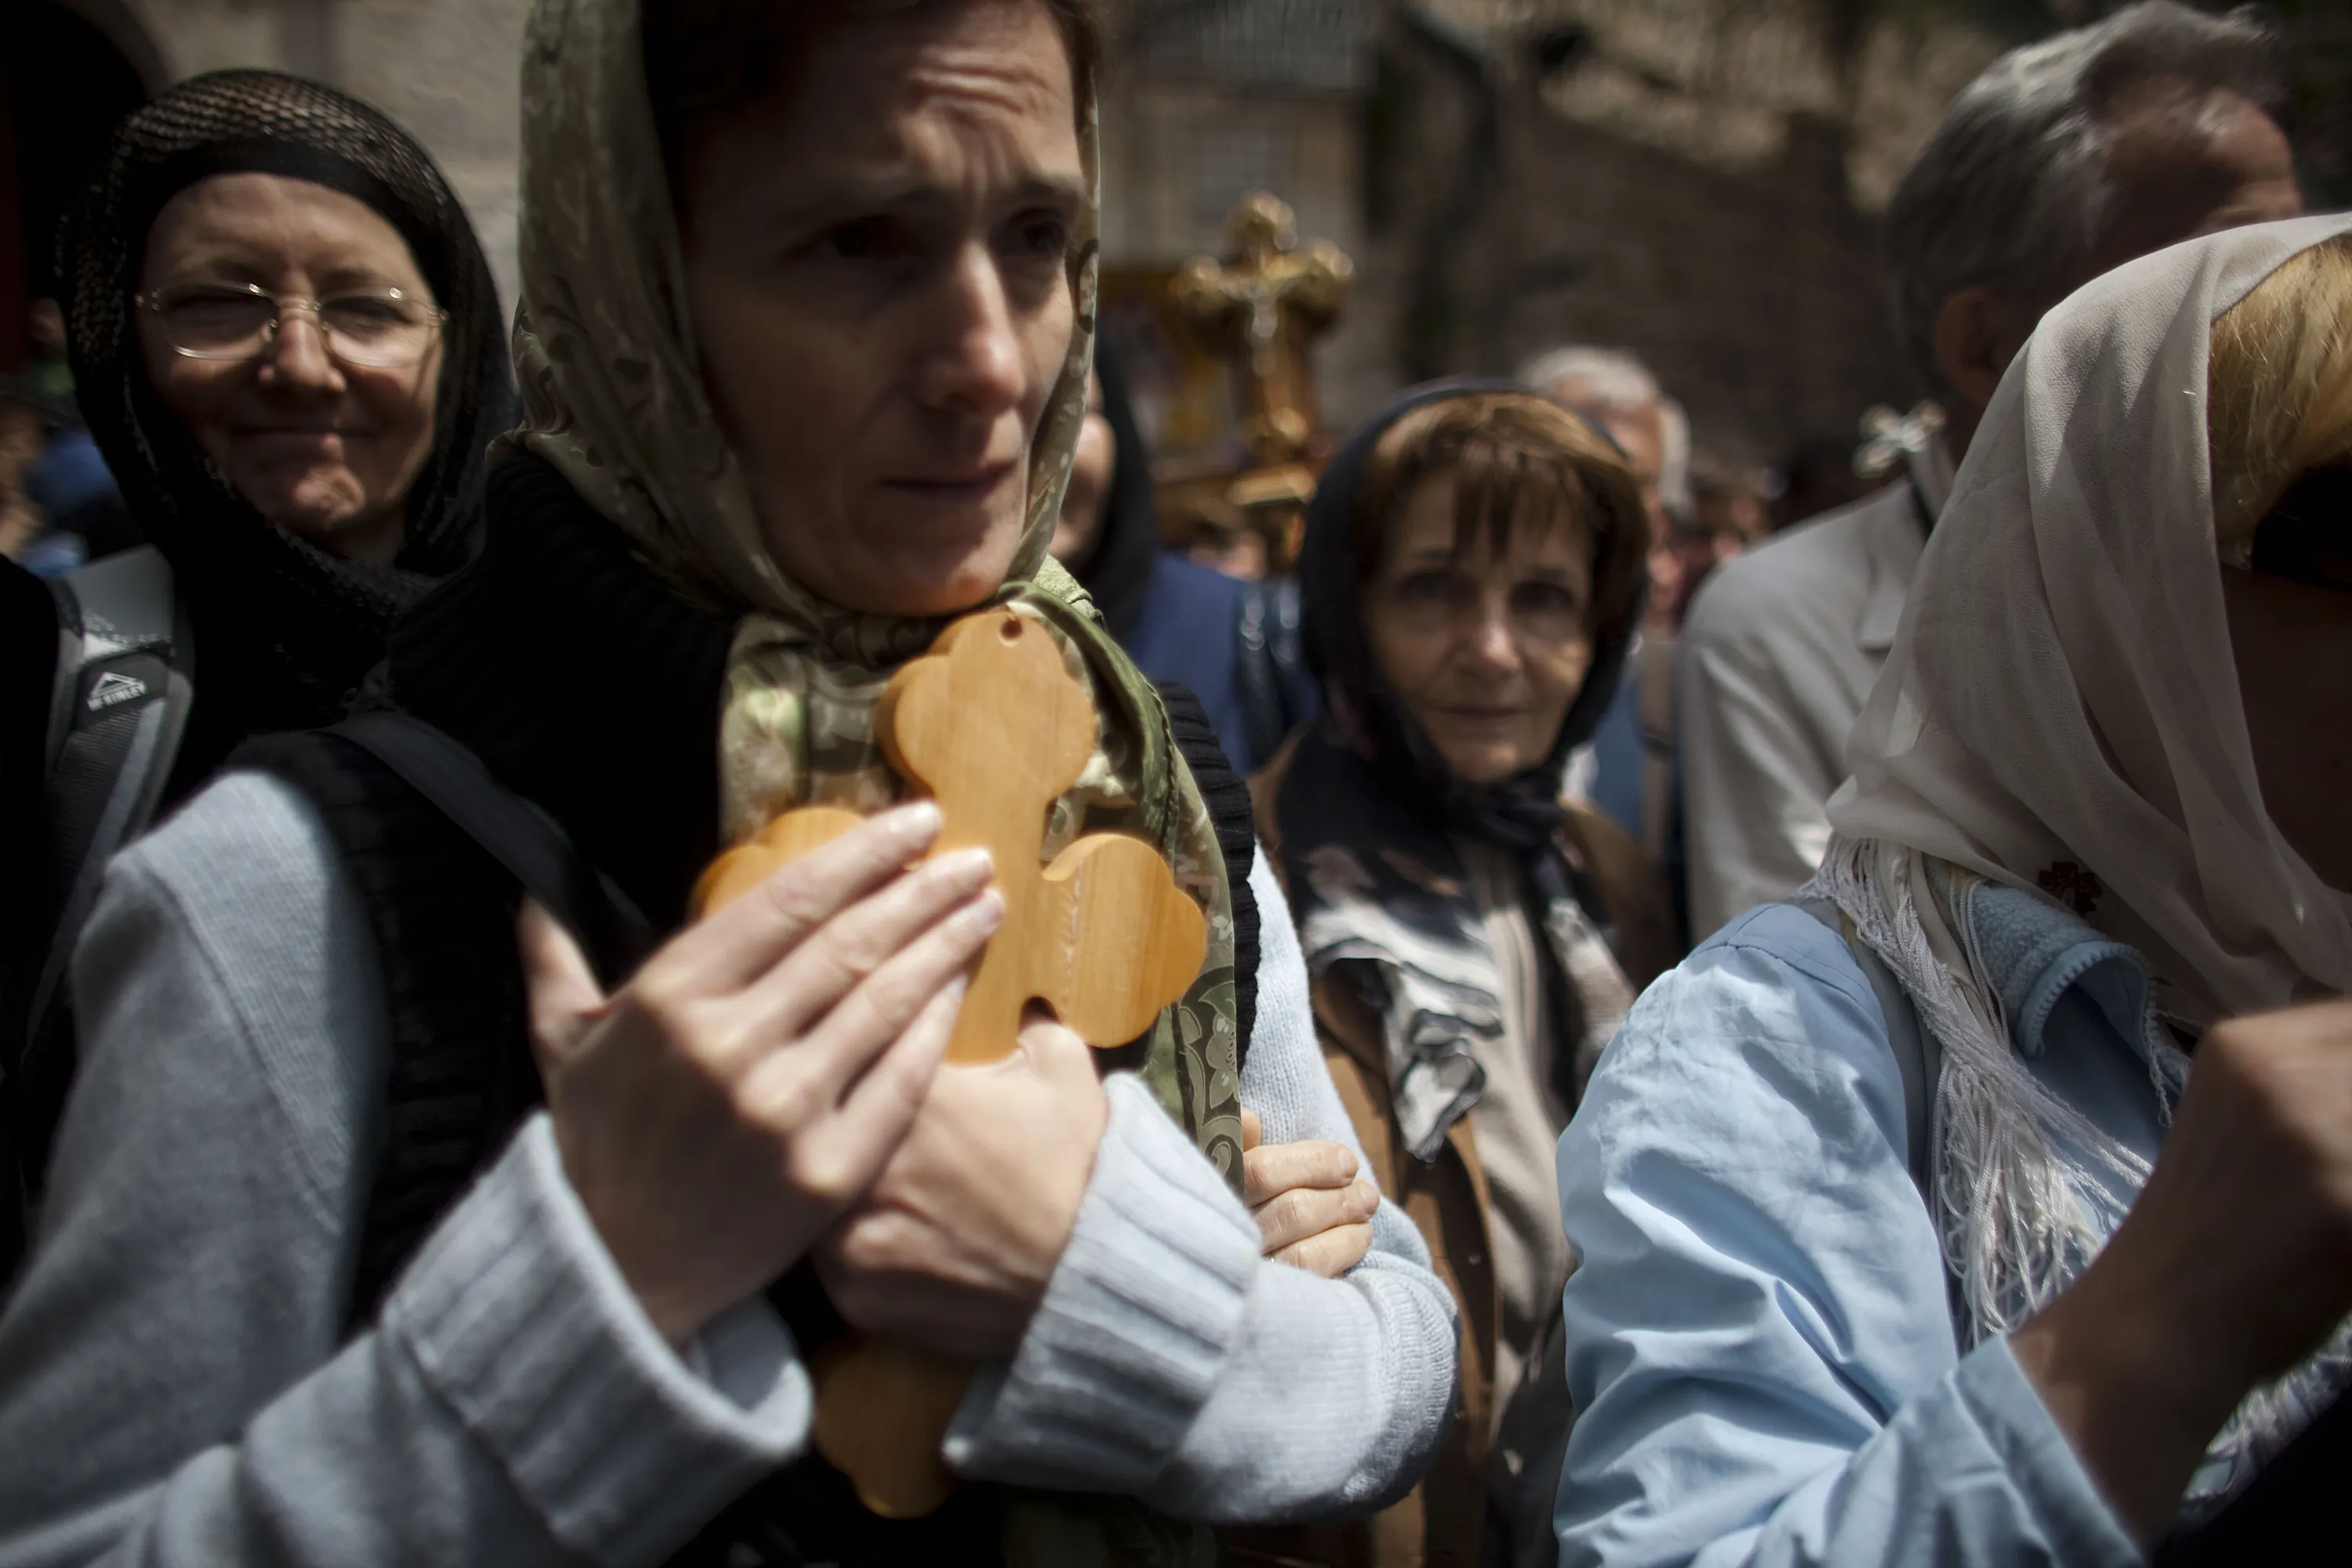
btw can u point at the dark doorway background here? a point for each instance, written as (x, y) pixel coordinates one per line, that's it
(63, 85)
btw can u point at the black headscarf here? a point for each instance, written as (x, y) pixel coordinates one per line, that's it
(1369, 813)
(284, 630)
(1114, 567)
(1518, 813)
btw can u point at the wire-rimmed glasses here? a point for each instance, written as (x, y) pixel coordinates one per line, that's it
(380, 328)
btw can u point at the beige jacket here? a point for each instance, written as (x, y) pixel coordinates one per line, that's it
(1781, 647)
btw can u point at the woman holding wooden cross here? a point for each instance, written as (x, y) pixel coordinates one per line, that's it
(807, 310)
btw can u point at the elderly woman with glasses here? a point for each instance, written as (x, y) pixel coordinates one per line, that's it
(287, 344)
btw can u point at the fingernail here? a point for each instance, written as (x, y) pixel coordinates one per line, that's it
(970, 867)
(982, 915)
(1369, 1196)
(920, 824)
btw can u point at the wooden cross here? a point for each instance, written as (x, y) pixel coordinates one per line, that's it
(992, 724)
(1261, 307)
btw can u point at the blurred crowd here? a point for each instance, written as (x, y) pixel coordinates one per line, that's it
(1742, 1017)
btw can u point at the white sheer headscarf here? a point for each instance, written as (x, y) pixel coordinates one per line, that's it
(2062, 693)
(2061, 713)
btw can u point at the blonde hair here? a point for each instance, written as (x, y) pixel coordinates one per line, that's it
(2279, 389)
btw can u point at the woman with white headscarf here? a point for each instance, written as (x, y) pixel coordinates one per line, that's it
(1907, 1234)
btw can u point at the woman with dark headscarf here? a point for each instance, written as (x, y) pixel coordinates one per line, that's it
(425, 1239)
(1234, 645)
(288, 346)
(1472, 573)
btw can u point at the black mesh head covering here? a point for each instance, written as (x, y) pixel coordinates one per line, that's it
(284, 629)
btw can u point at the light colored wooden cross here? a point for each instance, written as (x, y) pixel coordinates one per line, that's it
(993, 726)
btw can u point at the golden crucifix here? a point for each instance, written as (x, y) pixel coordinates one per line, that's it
(1260, 307)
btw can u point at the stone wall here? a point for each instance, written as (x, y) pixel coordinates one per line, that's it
(1697, 179)
(448, 70)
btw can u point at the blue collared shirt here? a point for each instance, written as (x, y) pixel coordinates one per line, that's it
(1761, 1340)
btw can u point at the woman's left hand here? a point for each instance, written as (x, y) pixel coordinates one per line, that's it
(1313, 1212)
(953, 1245)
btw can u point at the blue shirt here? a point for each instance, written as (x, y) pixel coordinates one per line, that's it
(1760, 1343)
(1618, 753)
(1186, 632)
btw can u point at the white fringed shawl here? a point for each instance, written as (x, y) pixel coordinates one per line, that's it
(2061, 713)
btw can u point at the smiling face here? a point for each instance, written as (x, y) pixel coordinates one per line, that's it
(1485, 649)
(322, 449)
(877, 268)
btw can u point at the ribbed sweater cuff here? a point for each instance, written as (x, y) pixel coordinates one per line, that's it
(519, 1319)
(1139, 1318)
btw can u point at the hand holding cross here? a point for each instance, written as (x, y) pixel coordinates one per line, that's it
(991, 723)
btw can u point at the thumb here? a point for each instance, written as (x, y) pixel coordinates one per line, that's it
(564, 995)
(1055, 1051)
(1253, 1129)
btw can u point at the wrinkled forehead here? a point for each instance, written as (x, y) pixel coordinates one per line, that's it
(250, 226)
(959, 97)
(983, 58)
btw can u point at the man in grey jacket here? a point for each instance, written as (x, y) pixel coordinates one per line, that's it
(2063, 160)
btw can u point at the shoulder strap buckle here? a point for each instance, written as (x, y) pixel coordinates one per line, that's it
(117, 712)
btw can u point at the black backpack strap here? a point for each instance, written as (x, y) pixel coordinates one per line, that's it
(612, 934)
(118, 706)
(459, 1075)
(116, 715)
(1917, 1055)
(440, 853)
(1228, 800)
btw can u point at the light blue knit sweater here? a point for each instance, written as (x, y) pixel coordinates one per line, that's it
(173, 1390)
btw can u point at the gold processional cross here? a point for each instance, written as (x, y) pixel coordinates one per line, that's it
(1261, 307)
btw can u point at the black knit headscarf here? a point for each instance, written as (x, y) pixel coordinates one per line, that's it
(284, 629)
